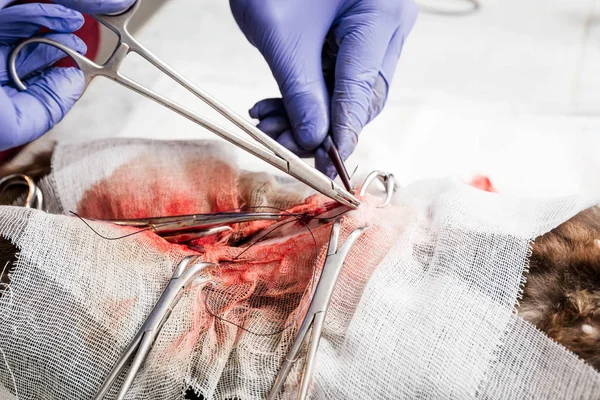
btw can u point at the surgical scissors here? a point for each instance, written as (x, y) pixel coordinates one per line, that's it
(315, 317)
(142, 343)
(266, 149)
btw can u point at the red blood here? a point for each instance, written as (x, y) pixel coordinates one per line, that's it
(272, 276)
(483, 183)
(148, 188)
(268, 280)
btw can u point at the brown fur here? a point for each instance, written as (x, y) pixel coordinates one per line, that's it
(562, 293)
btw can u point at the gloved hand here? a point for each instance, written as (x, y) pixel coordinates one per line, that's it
(50, 94)
(97, 6)
(353, 44)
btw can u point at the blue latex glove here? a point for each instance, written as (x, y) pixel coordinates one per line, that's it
(97, 6)
(50, 94)
(333, 61)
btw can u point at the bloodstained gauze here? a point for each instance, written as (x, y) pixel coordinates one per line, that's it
(266, 270)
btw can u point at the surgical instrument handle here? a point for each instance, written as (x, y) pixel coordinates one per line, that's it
(276, 155)
(315, 316)
(142, 342)
(109, 70)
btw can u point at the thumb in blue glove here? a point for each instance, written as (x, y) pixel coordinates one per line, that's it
(25, 116)
(353, 43)
(51, 92)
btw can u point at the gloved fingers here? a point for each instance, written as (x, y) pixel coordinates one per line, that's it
(289, 34)
(390, 60)
(267, 107)
(23, 21)
(36, 57)
(49, 96)
(361, 82)
(307, 106)
(97, 6)
(323, 163)
(288, 140)
(384, 78)
(305, 100)
(274, 125)
(239, 9)
(278, 128)
(359, 61)
(296, 66)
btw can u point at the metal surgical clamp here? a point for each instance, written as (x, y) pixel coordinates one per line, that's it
(174, 229)
(388, 181)
(266, 149)
(315, 317)
(183, 228)
(143, 341)
(35, 197)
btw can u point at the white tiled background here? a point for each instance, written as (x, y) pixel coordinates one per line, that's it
(512, 91)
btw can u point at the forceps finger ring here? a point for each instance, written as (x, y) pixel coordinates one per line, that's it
(313, 322)
(34, 199)
(136, 353)
(388, 181)
(262, 145)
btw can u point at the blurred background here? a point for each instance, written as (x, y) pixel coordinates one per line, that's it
(510, 90)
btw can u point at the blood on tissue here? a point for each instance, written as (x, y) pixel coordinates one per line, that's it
(313, 207)
(284, 265)
(483, 183)
(205, 241)
(280, 266)
(272, 278)
(161, 190)
(160, 244)
(316, 206)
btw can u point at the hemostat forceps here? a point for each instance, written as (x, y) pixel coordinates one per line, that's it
(267, 149)
(183, 228)
(143, 341)
(315, 317)
(35, 197)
